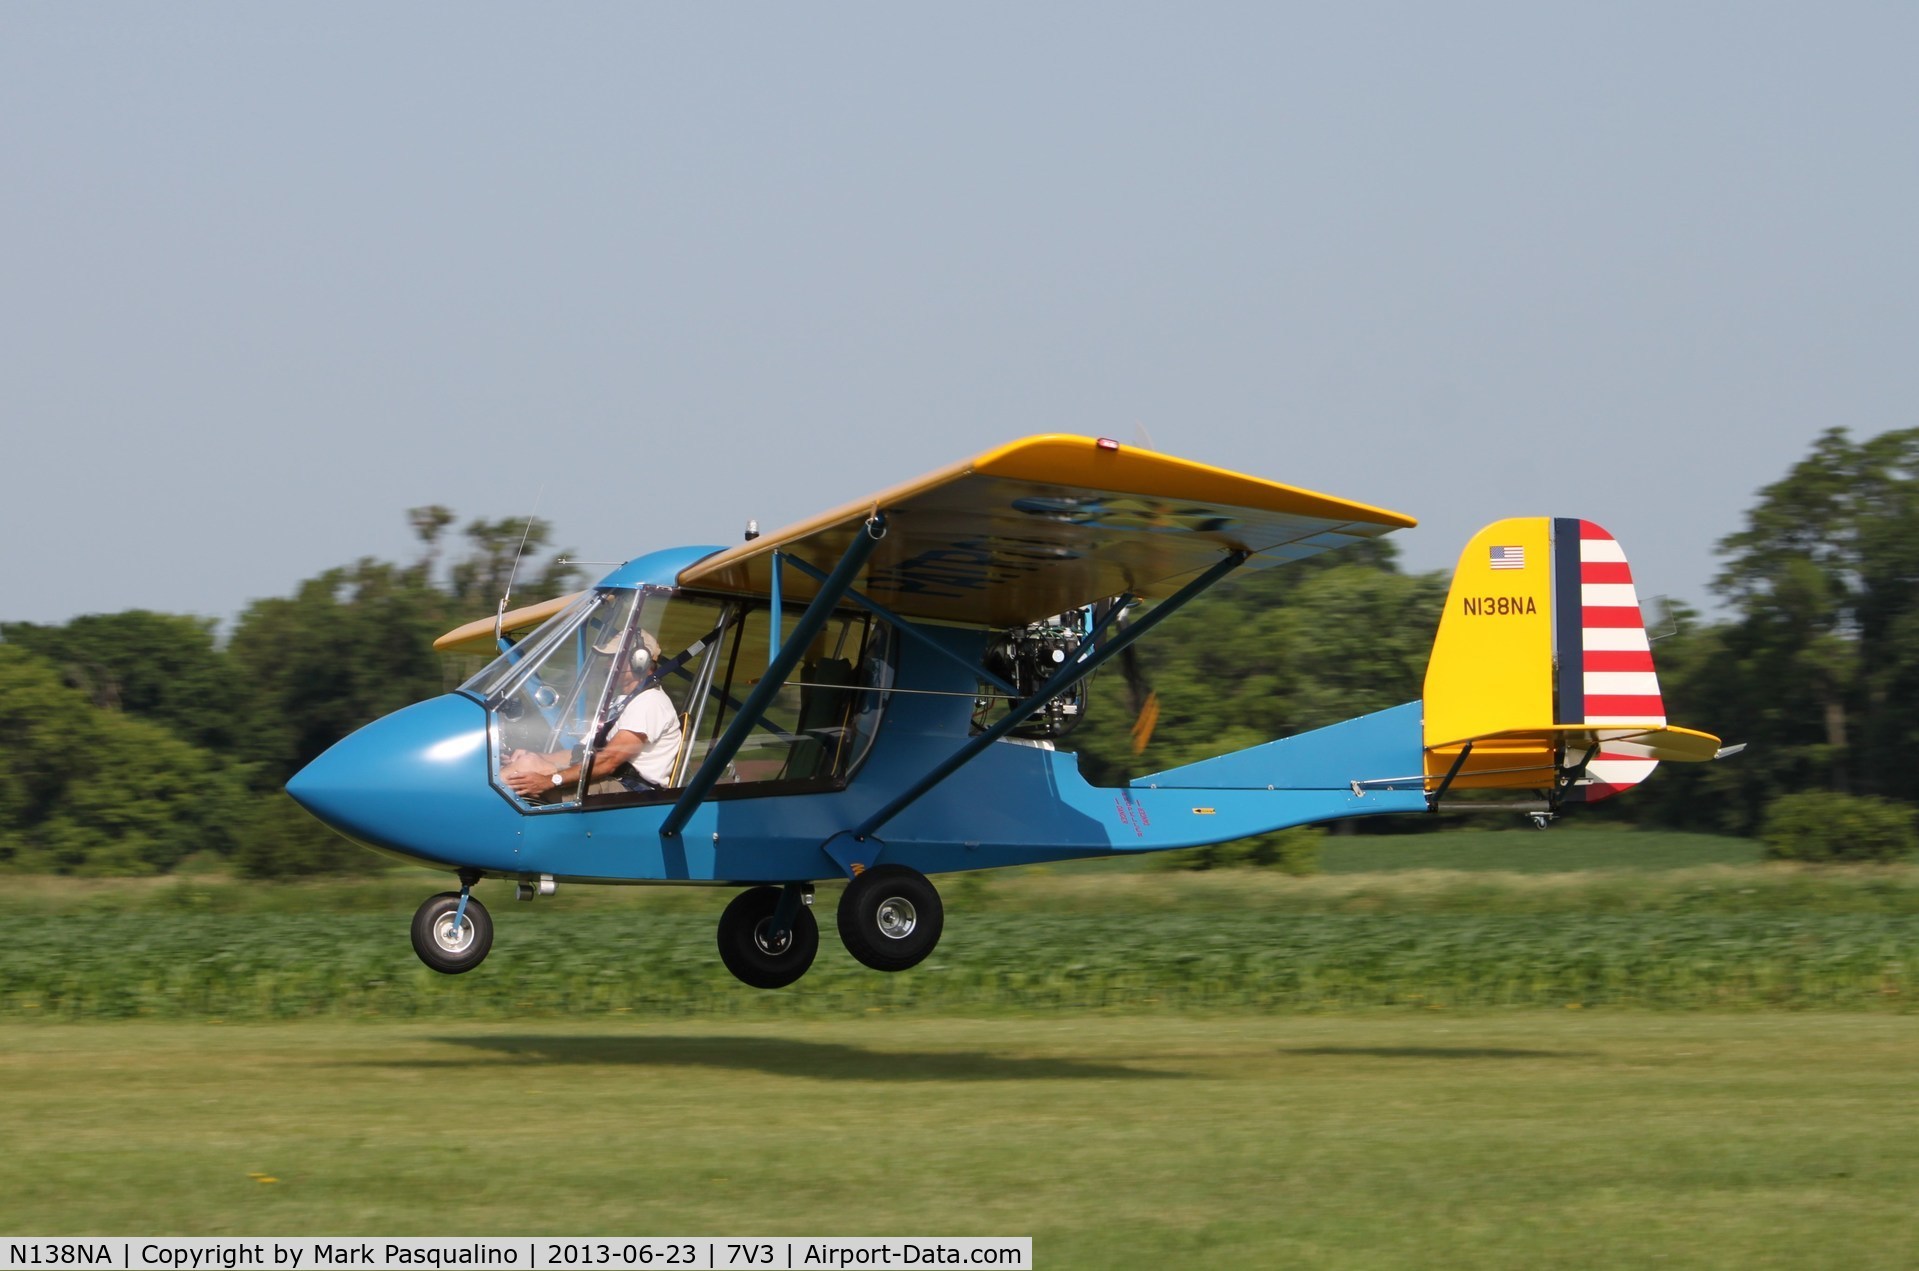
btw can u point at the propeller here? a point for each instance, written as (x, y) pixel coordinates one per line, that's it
(1140, 694)
(1146, 712)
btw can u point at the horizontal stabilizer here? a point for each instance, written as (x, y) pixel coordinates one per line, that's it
(1650, 741)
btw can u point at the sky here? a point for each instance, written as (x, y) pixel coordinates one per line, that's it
(270, 275)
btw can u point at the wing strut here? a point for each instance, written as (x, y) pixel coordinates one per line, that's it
(1062, 680)
(774, 680)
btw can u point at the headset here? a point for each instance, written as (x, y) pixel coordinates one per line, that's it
(645, 651)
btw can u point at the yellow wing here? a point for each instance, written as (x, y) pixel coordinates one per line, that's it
(477, 636)
(1045, 524)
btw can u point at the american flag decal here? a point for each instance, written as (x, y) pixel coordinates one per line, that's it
(1508, 558)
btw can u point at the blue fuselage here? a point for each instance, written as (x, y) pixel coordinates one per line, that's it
(421, 784)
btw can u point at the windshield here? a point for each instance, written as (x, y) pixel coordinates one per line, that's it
(545, 691)
(532, 647)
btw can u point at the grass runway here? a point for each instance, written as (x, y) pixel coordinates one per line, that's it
(1369, 1139)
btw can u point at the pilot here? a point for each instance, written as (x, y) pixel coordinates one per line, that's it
(636, 744)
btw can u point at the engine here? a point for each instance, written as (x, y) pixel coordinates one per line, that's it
(1027, 657)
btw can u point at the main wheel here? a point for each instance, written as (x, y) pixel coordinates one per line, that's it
(445, 946)
(750, 950)
(891, 917)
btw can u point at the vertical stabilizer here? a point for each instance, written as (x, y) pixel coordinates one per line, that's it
(1541, 657)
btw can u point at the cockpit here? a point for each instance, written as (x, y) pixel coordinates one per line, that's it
(555, 697)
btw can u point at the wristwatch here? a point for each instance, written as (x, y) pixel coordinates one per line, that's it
(558, 780)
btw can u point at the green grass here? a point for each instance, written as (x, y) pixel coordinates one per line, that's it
(1422, 1139)
(1561, 849)
(1518, 850)
(1412, 1066)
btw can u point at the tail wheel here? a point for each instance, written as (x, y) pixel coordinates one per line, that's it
(450, 941)
(751, 950)
(891, 917)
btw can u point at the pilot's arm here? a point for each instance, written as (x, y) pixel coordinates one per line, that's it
(530, 776)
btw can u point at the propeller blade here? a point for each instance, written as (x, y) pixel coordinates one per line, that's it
(1148, 719)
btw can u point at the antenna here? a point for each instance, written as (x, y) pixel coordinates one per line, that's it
(499, 616)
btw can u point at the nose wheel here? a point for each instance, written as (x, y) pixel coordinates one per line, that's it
(765, 944)
(890, 917)
(452, 932)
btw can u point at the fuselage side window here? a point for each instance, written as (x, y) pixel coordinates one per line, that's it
(808, 732)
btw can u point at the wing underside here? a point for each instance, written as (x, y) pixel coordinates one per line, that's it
(1043, 525)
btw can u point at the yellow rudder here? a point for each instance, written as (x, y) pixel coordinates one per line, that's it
(1492, 664)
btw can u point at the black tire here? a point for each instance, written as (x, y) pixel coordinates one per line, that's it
(751, 956)
(443, 948)
(891, 917)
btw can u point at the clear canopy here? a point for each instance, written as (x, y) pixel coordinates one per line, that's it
(553, 698)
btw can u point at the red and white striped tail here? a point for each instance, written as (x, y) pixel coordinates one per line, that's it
(1606, 674)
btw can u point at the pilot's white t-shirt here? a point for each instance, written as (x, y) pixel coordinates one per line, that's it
(651, 714)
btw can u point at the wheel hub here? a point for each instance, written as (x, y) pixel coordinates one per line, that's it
(769, 944)
(451, 936)
(896, 917)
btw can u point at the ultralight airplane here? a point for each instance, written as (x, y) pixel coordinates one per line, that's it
(873, 695)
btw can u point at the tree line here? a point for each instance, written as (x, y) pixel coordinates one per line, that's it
(140, 739)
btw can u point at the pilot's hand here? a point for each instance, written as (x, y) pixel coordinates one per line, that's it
(529, 781)
(526, 761)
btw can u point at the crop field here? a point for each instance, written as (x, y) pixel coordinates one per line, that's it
(1619, 1053)
(242, 968)
(1107, 936)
